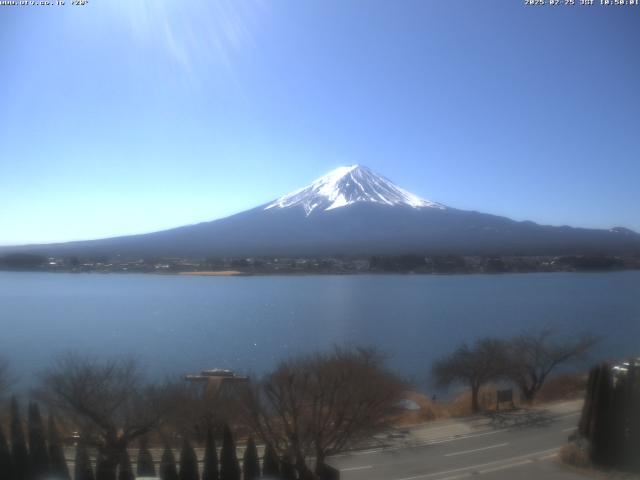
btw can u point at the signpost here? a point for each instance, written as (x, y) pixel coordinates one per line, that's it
(504, 396)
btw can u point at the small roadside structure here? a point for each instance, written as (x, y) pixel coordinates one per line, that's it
(217, 380)
(504, 396)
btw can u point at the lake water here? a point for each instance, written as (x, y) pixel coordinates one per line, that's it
(181, 324)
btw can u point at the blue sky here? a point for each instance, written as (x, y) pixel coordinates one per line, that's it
(126, 117)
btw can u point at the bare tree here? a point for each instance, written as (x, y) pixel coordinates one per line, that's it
(322, 404)
(473, 366)
(200, 407)
(107, 401)
(534, 355)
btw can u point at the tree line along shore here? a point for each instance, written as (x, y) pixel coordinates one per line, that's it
(410, 263)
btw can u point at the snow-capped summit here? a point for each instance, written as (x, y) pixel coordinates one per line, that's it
(346, 186)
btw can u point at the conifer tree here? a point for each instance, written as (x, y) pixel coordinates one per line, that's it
(288, 471)
(105, 467)
(58, 463)
(624, 443)
(125, 470)
(610, 419)
(633, 400)
(146, 468)
(19, 450)
(83, 470)
(270, 462)
(600, 431)
(229, 466)
(250, 462)
(584, 425)
(188, 462)
(38, 454)
(6, 462)
(168, 470)
(210, 469)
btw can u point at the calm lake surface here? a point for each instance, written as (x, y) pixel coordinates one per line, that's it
(181, 324)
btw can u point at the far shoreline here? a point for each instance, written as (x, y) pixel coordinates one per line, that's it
(237, 273)
(214, 273)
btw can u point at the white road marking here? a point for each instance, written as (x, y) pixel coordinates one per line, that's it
(457, 477)
(569, 429)
(549, 457)
(437, 441)
(353, 469)
(497, 469)
(488, 464)
(505, 467)
(418, 444)
(489, 447)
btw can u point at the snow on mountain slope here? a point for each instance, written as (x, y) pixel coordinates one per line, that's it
(346, 186)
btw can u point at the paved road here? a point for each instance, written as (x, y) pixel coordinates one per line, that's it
(524, 452)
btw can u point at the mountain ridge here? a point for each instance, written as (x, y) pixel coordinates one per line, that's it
(352, 211)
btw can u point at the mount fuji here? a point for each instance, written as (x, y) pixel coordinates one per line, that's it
(346, 186)
(352, 211)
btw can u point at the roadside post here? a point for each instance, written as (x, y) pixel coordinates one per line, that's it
(504, 396)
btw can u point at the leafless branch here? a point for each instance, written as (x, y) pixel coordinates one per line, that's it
(106, 400)
(322, 404)
(534, 355)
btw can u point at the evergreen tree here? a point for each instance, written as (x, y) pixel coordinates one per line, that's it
(288, 471)
(105, 468)
(188, 462)
(624, 445)
(250, 462)
(168, 470)
(6, 462)
(19, 450)
(610, 419)
(210, 470)
(270, 462)
(146, 468)
(633, 400)
(584, 426)
(600, 430)
(125, 470)
(229, 466)
(618, 418)
(58, 463)
(38, 454)
(83, 470)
